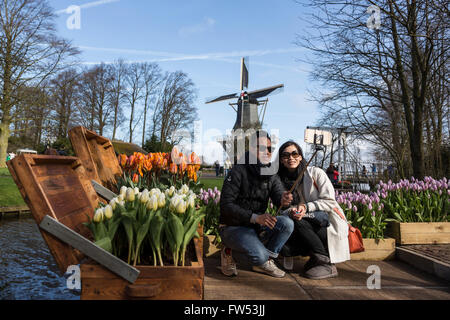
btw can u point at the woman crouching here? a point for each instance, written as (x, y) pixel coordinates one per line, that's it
(319, 231)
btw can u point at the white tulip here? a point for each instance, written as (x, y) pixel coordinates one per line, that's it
(152, 203)
(136, 190)
(184, 189)
(173, 202)
(121, 196)
(191, 201)
(181, 207)
(161, 200)
(113, 203)
(130, 195)
(144, 196)
(123, 190)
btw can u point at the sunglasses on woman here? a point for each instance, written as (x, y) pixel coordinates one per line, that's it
(287, 155)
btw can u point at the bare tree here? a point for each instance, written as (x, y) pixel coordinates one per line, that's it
(380, 79)
(118, 93)
(152, 79)
(63, 90)
(29, 53)
(135, 86)
(175, 106)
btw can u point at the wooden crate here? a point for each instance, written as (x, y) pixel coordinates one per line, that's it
(153, 283)
(419, 232)
(56, 186)
(97, 156)
(376, 250)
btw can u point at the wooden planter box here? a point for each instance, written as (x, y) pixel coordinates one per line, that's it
(56, 186)
(153, 283)
(419, 232)
(97, 155)
(59, 187)
(376, 250)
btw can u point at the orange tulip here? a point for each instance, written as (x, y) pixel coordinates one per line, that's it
(173, 168)
(123, 160)
(135, 178)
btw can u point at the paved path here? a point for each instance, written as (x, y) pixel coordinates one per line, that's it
(398, 281)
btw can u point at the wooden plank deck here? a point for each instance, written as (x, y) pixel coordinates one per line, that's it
(399, 281)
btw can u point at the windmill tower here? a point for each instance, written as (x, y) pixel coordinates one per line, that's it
(250, 109)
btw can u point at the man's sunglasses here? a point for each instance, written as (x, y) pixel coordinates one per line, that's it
(287, 155)
(265, 149)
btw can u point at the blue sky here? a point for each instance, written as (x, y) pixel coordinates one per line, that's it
(206, 39)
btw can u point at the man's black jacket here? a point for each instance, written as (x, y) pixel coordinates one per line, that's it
(245, 192)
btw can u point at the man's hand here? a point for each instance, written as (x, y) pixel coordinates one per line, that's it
(266, 220)
(286, 199)
(299, 212)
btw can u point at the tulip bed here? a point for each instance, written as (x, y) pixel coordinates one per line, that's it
(159, 170)
(148, 227)
(406, 201)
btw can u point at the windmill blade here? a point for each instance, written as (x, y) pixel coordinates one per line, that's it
(266, 91)
(221, 98)
(244, 73)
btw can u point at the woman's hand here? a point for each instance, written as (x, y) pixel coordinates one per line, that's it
(286, 199)
(297, 213)
(266, 220)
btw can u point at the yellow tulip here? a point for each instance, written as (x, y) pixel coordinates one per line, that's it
(98, 216)
(108, 212)
(144, 196)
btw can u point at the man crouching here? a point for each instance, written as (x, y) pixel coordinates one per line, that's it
(249, 234)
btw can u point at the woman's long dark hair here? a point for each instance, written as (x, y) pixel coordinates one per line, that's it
(283, 172)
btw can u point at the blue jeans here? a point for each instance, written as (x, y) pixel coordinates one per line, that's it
(247, 243)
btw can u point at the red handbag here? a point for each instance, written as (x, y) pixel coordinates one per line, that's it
(355, 240)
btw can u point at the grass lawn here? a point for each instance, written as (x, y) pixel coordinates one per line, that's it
(212, 182)
(9, 195)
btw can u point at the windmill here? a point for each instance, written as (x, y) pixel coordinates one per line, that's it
(247, 115)
(246, 107)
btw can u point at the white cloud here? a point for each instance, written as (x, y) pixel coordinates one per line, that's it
(206, 25)
(89, 5)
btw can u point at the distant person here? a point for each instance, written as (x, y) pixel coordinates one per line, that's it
(390, 170)
(333, 173)
(227, 167)
(364, 171)
(217, 166)
(330, 171)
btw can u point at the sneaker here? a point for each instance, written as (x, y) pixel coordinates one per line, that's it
(270, 268)
(227, 263)
(288, 263)
(323, 271)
